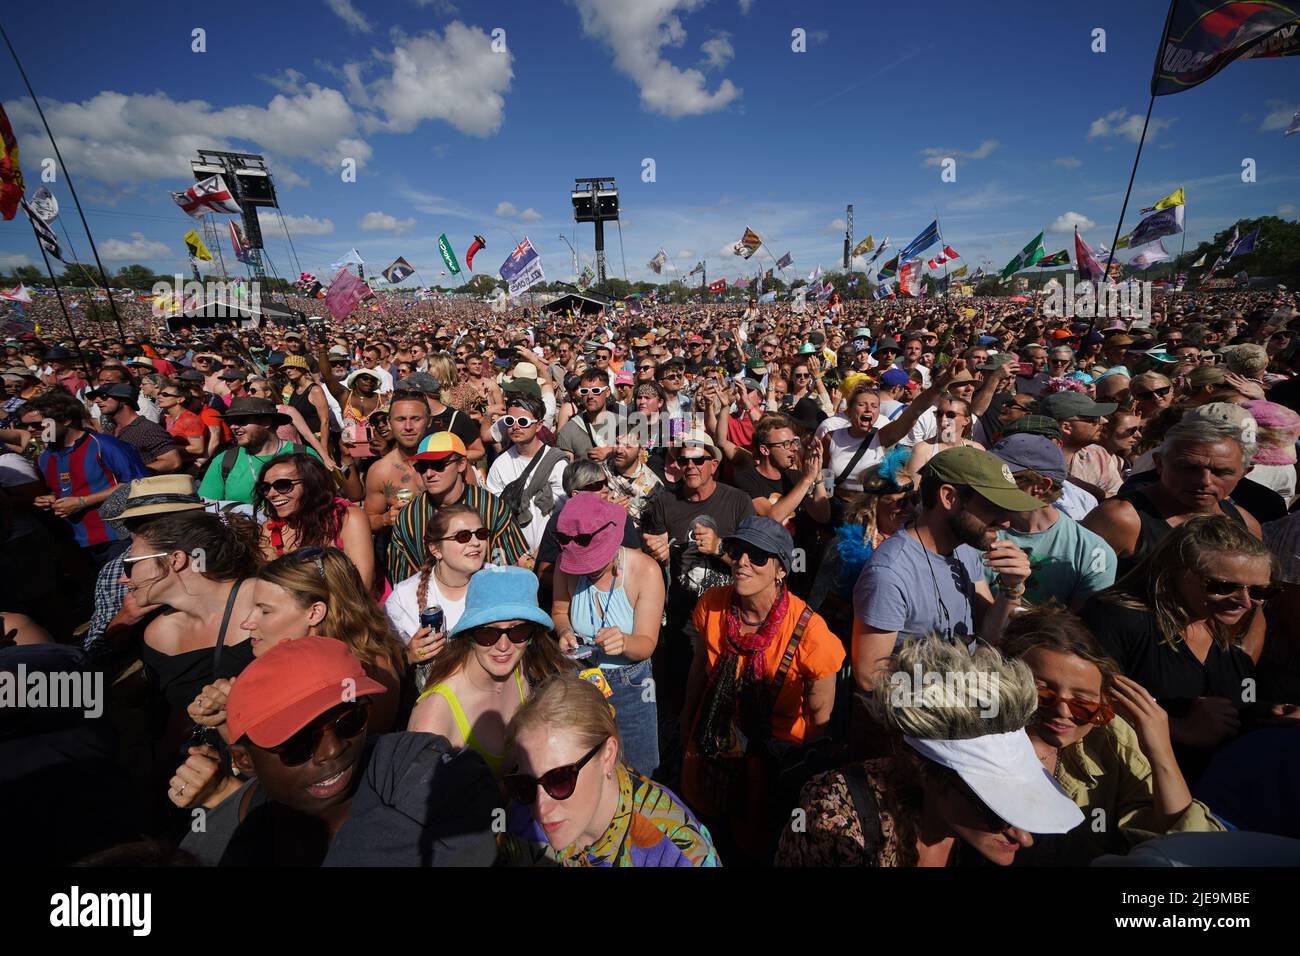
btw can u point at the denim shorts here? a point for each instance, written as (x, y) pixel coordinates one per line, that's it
(636, 713)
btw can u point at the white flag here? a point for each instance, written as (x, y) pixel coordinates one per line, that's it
(353, 258)
(1200, 262)
(1295, 124)
(1152, 253)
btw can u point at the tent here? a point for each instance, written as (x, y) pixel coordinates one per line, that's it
(584, 303)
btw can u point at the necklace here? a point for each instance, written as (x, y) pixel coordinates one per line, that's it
(249, 456)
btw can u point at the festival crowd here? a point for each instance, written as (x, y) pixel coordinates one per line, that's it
(917, 582)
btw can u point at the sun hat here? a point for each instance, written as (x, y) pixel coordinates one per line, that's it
(352, 376)
(502, 593)
(1279, 428)
(155, 495)
(765, 534)
(292, 684)
(587, 513)
(524, 386)
(696, 438)
(440, 445)
(296, 361)
(338, 351)
(982, 472)
(1028, 452)
(622, 378)
(1006, 774)
(246, 406)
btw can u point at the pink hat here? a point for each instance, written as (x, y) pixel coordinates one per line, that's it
(1279, 428)
(590, 531)
(623, 378)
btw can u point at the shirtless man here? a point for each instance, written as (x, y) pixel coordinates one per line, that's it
(390, 478)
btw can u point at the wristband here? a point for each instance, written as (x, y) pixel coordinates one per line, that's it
(1015, 592)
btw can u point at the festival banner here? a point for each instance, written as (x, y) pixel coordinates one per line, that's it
(522, 268)
(1149, 255)
(657, 263)
(719, 286)
(1085, 259)
(1166, 222)
(448, 256)
(1203, 36)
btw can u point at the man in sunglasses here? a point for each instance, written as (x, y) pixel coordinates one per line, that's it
(441, 461)
(320, 790)
(119, 415)
(232, 475)
(1081, 422)
(592, 432)
(530, 475)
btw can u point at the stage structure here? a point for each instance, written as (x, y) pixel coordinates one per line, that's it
(249, 180)
(596, 200)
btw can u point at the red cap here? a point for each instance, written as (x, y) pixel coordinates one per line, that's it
(291, 685)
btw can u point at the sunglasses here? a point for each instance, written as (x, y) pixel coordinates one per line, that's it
(693, 461)
(128, 562)
(592, 390)
(170, 395)
(523, 421)
(1259, 593)
(33, 426)
(948, 414)
(645, 368)
(674, 375)
(595, 486)
(489, 636)
(1081, 711)
(581, 540)
(1153, 393)
(559, 783)
(346, 721)
(424, 466)
(281, 486)
(463, 536)
(758, 558)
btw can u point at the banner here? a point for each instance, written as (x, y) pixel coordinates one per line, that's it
(205, 196)
(928, 237)
(909, 277)
(719, 286)
(1203, 36)
(865, 246)
(1150, 255)
(238, 243)
(657, 263)
(398, 271)
(522, 268)
(785, 261)
(1166, 222)
(11, 174)
(344, 293)
(699, 267)
(478, 243)
(448, 256)
(196, 247)
(587, 277)
(748, 244)
(888, 270)
(1085, 259)
(1246, 244)
(352, 258)
(1055, 261)
(44, 234)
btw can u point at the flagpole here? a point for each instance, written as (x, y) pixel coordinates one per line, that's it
(59, 295)
(108, 285)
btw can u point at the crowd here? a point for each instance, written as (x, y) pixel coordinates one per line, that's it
(902, 583)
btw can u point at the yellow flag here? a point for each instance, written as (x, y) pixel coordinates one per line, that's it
(1121, 242)
(1175, 198)
(957, 273)
(197, 249)
(866, 245)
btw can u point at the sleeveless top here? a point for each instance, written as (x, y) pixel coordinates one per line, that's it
(591, 610)
(1155, 527)
(302, 402)
(182, 676)
(463, 725)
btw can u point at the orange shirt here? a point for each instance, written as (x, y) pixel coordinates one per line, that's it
(211, 417)
(820, 654)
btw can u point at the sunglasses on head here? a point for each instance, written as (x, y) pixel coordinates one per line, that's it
(559, 783)
(581, 540)
(280, 486)
(1081, 711)
(489, 636)
(758, 558)
(346, 721)
(1153, 393)
(424, 466)
(523, 421)
(1258, 592)
(464, 534)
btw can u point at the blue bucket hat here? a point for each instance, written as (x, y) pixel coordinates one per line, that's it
(501, 593)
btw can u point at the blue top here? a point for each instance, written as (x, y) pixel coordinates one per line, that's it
(907, 588)
(591, 610)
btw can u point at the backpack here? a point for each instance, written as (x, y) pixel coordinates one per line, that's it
(231, 455)
(519, 494)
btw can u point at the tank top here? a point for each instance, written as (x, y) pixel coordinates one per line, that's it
(181, 676)
(302, 402)
(1155, 527)
(844, 448)
(463, 725)
(591, 610)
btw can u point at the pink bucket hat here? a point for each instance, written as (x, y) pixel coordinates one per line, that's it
(589, 531)
(1279, 428)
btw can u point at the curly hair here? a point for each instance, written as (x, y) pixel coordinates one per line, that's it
(316, 520)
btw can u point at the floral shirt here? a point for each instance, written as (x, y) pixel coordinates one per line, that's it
(831, 831)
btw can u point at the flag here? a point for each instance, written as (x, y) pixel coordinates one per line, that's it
(928, 237)
(1200, 262)
(785, 261)
(1180, 280)
(352, 258)
(977, 274)
(1149, 255)
(866, 245)
(44, 234)
(11, 174)
(44, 205)
(1121, 243)
(879, 249)
(936, 262)
(852, 282)
(587, 278)
(766, 297)
(814, 275)
(523, 268)
(958, 273)
(748, 244)
(344, 293)
(1295, 124)
(1055, 260)
(950, 252)
(1175, 198)
(1223, 257)
(909, 277)
(205, 196)
(1203, 36)
(699, 267)
(888, 270)
(478, 243)
(657, 263)
(19, 294)
(1027, 257)
(1166, 222)
(1084, 258)
(883, 292)
(825, 291)
(196, 247)
(448, 255)
(399, 270)
(238, 242)
(1245, 245)
(716, 287)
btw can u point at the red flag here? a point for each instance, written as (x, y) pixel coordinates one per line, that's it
(344, 293)
(11, 175)
(950, 252)
(718, 286)
(207, 195)
(1085, 261)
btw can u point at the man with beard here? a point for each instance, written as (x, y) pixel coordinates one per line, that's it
(928, 578)
(119, 416)
(392, 482)
(232, 474)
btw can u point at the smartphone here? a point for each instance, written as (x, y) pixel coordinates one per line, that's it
(433, 617)
(1026, 368)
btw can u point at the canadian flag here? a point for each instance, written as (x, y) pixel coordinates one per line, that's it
(950, 252)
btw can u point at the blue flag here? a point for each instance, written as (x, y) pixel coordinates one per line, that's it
(928, 237)
(1245, 245)
(1166, 222)
(522, 268)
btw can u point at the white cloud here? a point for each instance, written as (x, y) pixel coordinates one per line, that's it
(685, 254)
(1126, 125)
(1066, 222)
(818, 36)
(1279, 116)
(286, 81)
(454, 77)
(506, 209)
(383, 222)
(136, 249)
(509, 211)
(935, 155)
(1288, 209)
(637, 31)
(1069, 162)
(837, 225)
(349, 15)
(746, 6)
(718, 51)
(298, 225)
(12, 260)
(132, 138)
(444, 7)
(530, 215)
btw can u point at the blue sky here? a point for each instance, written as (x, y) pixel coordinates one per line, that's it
(450, 136)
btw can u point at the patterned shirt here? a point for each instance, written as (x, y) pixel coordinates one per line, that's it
(109, 596)
(93, 464)
(406, 552)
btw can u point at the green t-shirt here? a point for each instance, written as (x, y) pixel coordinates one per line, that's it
(238, 485)
(1068, 562)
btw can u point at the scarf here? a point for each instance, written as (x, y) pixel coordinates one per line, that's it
(729, 683)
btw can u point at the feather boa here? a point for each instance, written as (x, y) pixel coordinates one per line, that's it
(854, 552)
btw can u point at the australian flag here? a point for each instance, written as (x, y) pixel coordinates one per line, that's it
(522, 268)
(928, 237)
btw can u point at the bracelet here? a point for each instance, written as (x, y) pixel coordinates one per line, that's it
(1011, 592)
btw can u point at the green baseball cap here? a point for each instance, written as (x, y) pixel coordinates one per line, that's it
(1066, 405)
(756, 365)
(982, 472)
(807, 349)
(1033, 425)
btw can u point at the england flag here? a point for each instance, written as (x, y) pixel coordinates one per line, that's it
(207, 195)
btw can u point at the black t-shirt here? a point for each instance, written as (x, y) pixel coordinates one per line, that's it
(756, 485)
(464, 427)
(1259, 501)
(721, 512)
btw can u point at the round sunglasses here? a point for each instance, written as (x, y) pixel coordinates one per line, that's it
(346, 721)
(281, 486)
(559, 783)
(523, 421)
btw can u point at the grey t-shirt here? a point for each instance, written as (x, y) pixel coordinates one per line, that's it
(907, 588)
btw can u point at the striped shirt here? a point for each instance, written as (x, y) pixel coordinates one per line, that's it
(406, 552)
(94, 463)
